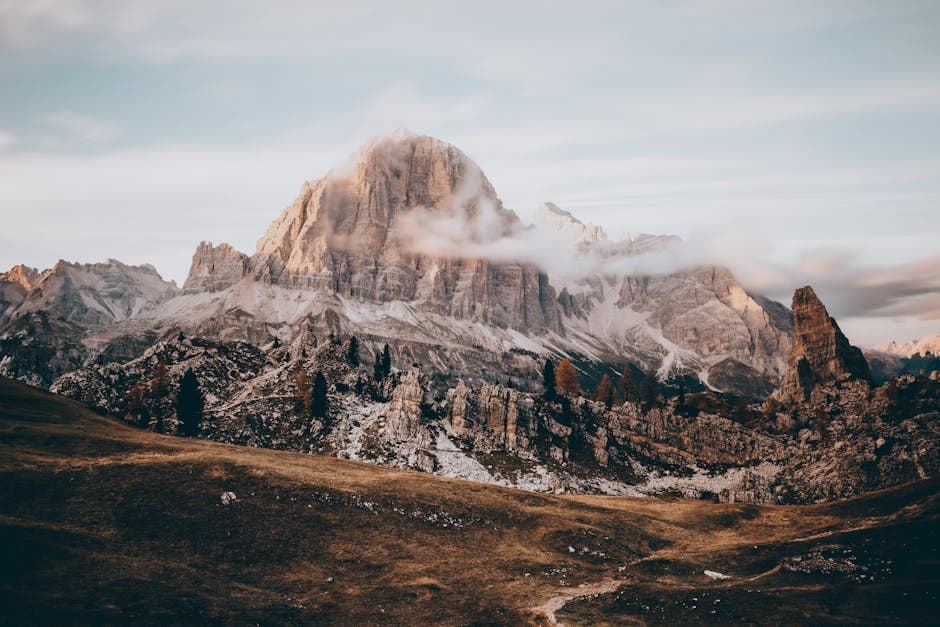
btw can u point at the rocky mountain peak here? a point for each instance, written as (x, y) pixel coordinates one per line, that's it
(96, 293)
(928, 344)
(362, 232)
(24, 276)
(215, 268)
(821, 353)
(554, 217)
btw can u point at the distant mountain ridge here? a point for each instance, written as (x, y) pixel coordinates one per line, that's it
(926, 344)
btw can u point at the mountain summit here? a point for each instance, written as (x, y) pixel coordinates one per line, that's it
(821, 353)
(353, 233)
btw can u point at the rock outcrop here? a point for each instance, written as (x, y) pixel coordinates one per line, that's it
(692, 322)
(15, 285)
(821, 353)
(403, 421)
(556, 218)
(352, 233)
(98, 293)
(215, 268)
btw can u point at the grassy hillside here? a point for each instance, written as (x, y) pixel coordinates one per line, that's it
(103, 523)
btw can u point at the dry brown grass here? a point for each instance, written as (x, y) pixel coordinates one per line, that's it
(105, 523)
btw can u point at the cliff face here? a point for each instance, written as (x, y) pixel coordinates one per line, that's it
(98, 293)
(351, 233)
(15, 285)
(215, 268)
(821, 353)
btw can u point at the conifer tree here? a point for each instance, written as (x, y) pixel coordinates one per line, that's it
(135, 403)
(627, 385)
(548, 379)
(319, 401)
(649, 390)
(604, 392)
(386, 362)
(302, 398)
(566, 379)
(189, 405)
(160, 380)
(352, 351)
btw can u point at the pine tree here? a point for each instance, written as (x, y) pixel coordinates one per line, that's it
(160, 380)
(377, 368)
(548, 379)
(604, 392)
(627, 385)
(386, 362)
(302, 398)
(189, 405)
(649, 390)
(135, 403)
(352, 351)
(566, 379)
(319, 401)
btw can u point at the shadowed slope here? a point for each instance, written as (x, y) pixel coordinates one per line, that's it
(101, 522)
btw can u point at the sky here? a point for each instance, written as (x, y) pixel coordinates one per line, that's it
(800, 139)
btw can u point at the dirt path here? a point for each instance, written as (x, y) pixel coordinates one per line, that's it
(549, 607)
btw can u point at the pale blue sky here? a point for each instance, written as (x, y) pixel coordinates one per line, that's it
(803, 137)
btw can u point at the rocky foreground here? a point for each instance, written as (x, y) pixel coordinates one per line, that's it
(827, 433)
(101, 522)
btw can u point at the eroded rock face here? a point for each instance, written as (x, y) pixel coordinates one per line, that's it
(403, 420)
(215, 268)
(458, 402)
(857, 439)
(98, 293)
(353, 234)
(500, 412)
(821, 353)
(15, 285)
(688, 322)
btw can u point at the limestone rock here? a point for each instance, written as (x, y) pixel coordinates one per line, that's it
(15, 285)
(457, 401)
(404, 413)
(821, 353)
(554, 217)
(352, 233)
(499, 413)
(99, 293)
(215, 268)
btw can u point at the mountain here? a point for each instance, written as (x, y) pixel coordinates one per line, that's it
(927, 344)
(365, 250)
(840, 439)
(821, 353)
(555, 217)
(15, 285)
(70, 314)
(409, 247)
(91, 294)
(349, 234)
(698, 322)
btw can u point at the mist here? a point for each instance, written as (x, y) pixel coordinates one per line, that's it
(476, 225)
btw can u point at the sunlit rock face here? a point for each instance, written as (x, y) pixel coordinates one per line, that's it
(15, 285)
(355, 232)
(821, 353)
(215, 268)
(98, 293)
